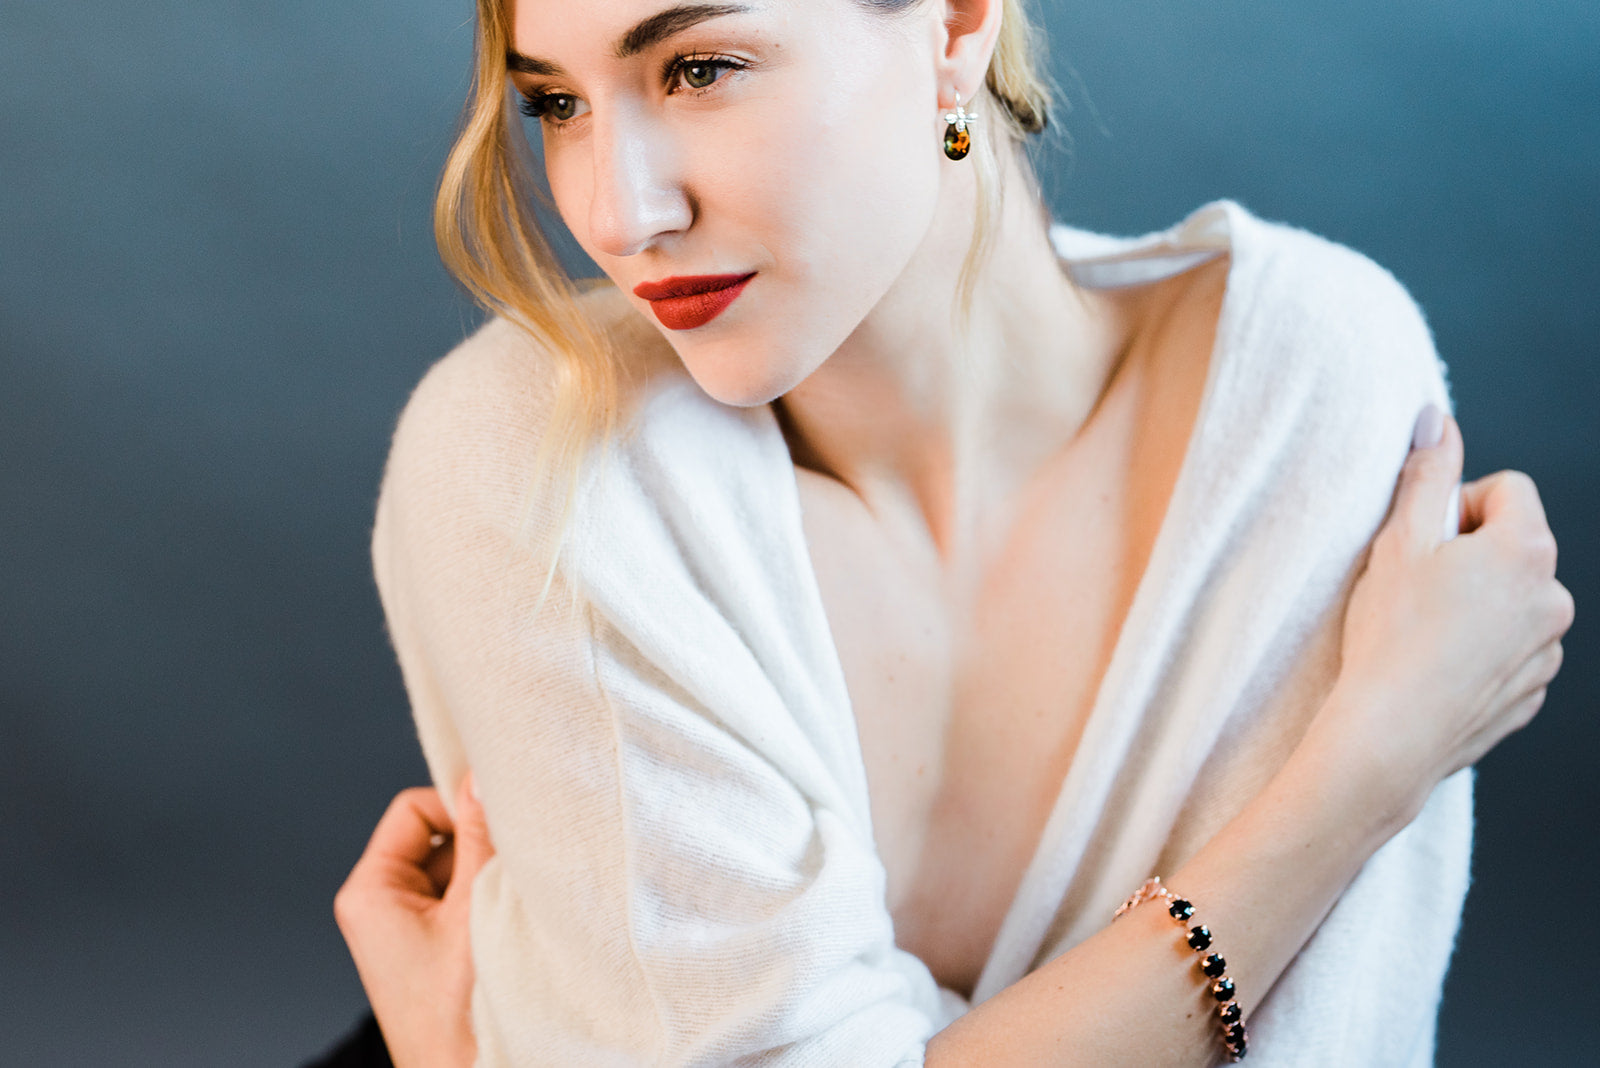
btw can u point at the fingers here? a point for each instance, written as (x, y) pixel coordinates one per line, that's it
(405, 834)
(417, 855)
(1523, 711)
(393, 867)
(1563, 610)
(1507, 498)
(473, 846)
(1536, 673)
(1517, 716)
(1428, 480)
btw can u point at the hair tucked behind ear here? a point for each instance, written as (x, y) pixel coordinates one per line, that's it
(490, 240)
(1015, 77)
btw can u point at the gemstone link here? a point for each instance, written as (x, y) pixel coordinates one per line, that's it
(1180, 909)
(1213, 965)
(1229, 1013)
(1222, 989)
(1200, 937)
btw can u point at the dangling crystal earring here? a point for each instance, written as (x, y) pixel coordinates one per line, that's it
(957, 141)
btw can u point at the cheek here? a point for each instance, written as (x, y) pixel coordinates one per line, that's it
(828, 195)
(835, 244)
(847, 188)
(568, 176)
(847, 183)
(831, 199)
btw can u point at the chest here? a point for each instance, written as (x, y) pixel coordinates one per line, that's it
(969, 718)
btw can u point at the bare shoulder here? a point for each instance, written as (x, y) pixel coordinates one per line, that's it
(1169, 326)
(1179, 314)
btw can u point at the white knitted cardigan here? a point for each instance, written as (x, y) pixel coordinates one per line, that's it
(686, 872)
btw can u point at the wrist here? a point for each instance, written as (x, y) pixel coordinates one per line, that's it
(1346, 761)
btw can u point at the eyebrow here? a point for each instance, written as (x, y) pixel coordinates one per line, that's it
(647, 32)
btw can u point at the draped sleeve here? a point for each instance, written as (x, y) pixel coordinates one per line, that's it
(1321, 365)
(685, 872)
(1366, 988)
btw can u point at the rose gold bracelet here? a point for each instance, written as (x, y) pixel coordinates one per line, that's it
(1229, 1016)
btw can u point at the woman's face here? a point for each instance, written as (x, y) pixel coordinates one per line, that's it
(793, 143)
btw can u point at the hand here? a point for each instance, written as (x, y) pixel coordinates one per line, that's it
(1448, 644)
(403, 913)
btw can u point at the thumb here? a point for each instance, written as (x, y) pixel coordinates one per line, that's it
(1429, 481)
(472, 845)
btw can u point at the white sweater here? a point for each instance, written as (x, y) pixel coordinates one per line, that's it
(686, 872)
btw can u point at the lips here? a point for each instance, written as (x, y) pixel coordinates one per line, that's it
(683, 303)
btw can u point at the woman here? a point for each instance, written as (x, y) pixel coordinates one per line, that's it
(845, 610)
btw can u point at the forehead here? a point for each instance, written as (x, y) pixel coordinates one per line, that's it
(619, 27)
(561, 39)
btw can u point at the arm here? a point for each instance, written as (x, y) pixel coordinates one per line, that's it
(1127, 993)
(1132, 994)
(1446, 649)
(403, 912)
(683, 874)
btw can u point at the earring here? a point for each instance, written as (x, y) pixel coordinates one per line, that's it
(957, 141)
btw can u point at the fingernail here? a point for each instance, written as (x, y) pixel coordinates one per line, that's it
(1429, 430)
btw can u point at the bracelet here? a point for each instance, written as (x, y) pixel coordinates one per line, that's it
(1229, 1016)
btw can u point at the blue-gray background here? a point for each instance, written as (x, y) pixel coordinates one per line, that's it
(217, 286)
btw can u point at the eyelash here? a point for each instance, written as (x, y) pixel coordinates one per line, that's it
(538, 105)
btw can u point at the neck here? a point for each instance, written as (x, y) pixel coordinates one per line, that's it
(938, 425)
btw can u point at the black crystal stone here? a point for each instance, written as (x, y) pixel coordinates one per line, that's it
(1229, 1013)
(1222, 989)
(1180, 909)
(1236, 1046)
(1199, 937)
(1235, 1035)
(1213, 965)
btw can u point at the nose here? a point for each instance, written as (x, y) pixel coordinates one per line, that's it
(638, 195)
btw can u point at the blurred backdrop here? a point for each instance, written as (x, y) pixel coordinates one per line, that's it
(217, 286)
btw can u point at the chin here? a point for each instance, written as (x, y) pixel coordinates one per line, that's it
(742, 391)
(740, 380)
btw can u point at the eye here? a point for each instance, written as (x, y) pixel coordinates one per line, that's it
(552, 107)
(699, 72)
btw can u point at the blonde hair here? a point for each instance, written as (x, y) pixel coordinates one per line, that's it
(489, 236)
(1020, 85)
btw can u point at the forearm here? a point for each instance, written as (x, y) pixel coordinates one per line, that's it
(1132, 993)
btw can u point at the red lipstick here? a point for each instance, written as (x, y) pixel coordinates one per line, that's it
(683, 303)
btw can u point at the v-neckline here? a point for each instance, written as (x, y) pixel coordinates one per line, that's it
(1123, 262)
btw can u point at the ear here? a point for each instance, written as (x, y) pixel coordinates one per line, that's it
(971, 28)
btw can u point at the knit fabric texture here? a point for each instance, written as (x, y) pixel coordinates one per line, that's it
(686, 871)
